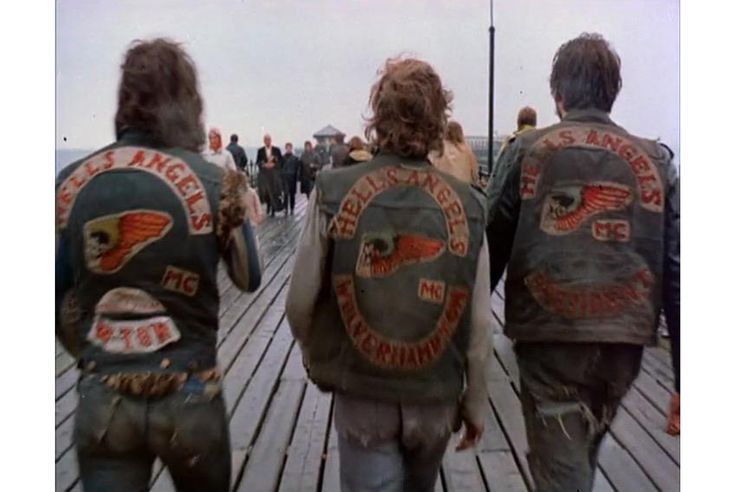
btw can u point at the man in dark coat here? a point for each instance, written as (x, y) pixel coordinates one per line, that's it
(310, 165)
(338, 152)
(238, 152)
(290, 171)
(269, 162)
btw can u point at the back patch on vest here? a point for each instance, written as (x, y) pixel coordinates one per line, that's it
(111, 241)
(381, 254)
(566, 208)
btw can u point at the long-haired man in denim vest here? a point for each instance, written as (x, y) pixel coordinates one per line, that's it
(586, 217)
(388, 298)
(142, 225)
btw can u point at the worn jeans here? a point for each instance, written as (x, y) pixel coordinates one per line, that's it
(391, 447)
(570, 393)
(118, 437)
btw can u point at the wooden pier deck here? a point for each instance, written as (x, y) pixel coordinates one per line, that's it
(282, 434)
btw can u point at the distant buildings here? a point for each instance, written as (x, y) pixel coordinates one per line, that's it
(327, 135)
(480, 148)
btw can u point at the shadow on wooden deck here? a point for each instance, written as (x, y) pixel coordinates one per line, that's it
(281, 427)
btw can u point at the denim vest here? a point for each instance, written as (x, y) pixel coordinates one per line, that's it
(586, 261)
(140, 224)
(404, 243)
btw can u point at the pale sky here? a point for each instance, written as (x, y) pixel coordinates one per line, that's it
(290, 67)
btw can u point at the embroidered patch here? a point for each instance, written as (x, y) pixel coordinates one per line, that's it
(180, 280)
(565, 209)
(369, 186)
(611, 230)
(126, 300)
(381, 254)
(649, 183)
(590, 301)
(394, 354)
(173, 171)
(133, 336)
(111, 241)
(432, 290)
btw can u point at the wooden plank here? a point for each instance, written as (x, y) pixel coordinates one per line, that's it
(64, 362)
(67, 472)
(656, 394)
(248, 414)
(265, 462)
(331, 475)
(65, 406)
(501, 472)
(653, 423)
(64, 436)
(461, 470)
(65, 382)
(601, 483)
(655, 462)
(621, 469)
(306, 451)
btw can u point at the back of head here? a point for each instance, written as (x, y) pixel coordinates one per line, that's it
(356, 144)
(454, 133)
(586, 73)
(410, 109)
(158, 94)
(527, 117)
(233, 138)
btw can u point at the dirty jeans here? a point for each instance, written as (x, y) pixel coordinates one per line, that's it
(569, 394)
(391, 447)
(118, 437)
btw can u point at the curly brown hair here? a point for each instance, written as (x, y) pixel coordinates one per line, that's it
(159, 95)
(410, 109)
(586, 72)
(454, 133)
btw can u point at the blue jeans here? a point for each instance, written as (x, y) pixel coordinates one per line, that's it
(391, 447)
(118, 437)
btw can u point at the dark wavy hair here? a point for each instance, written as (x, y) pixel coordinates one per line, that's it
(586, 73)
(410, 109)
(159, 95)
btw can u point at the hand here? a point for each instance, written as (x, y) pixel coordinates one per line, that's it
(673, 420)
(471, 436)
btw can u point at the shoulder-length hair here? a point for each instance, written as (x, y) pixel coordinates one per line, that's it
(410, 109)
(159, 95)
(586, 73)
(454, 133)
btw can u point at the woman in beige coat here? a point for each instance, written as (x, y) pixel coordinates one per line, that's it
(457, 157)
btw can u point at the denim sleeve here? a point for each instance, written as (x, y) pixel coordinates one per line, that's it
(504, 203)
(242, 260)
(671, 274)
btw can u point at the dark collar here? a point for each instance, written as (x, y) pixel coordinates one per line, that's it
(387, 158)
(133, 136)
(589, 115)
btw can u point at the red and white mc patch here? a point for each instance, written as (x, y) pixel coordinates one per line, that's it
(111, 241)
(133, 336)
(180, 280)
(432, 290)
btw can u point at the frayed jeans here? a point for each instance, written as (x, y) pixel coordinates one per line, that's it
(391, 447)
(118, 437)
(570, 393)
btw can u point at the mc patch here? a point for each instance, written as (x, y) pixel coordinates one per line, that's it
(432, 290)
(111, 241)
(180, 280)
(611, 230)
(566, 208)
(381, 254)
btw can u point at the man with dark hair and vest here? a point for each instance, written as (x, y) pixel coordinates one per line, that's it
(585, 217)
(142, 225)
(389, 300)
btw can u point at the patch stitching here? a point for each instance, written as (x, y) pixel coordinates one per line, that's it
(394, 354)
(111, 241)
(173, 171)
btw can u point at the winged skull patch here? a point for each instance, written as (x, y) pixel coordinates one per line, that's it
(565, 209)
(381, 254)
(111, 241)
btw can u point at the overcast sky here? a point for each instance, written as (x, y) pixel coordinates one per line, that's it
(289, 67)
